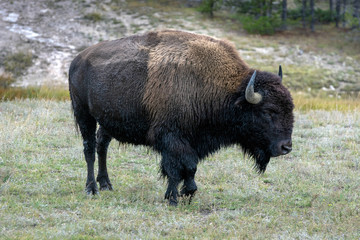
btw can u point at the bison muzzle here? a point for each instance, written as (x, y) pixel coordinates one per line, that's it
(184, 95)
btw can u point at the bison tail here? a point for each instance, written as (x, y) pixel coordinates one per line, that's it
(73, 112)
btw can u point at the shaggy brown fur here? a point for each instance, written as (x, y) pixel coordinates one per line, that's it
(209, 69)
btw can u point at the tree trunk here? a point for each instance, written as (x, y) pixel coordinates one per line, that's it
(357, 10)
(344, 14)
(312, 15)
(337, 17)
(212, 3)
(284, 14)
(262, 8)
(269, 10)
(303, 13)
(331, 7)
(258, 8)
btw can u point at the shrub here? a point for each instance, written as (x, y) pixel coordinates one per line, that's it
(209, 6)
(17, 63)
(353, 21)
(324, 16)
(6, 79)
(94, 16)
(263, 25)
(244, 7)
(321, 16)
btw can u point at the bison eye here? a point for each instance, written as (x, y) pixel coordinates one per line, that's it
(271, 113)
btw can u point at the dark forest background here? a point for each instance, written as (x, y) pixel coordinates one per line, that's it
(270, 16)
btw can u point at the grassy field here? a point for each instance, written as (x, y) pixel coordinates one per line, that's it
(312, 193)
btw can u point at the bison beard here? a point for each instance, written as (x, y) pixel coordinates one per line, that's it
(185, 95)
(261, 159)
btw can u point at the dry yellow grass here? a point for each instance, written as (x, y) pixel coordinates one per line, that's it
(303, 103)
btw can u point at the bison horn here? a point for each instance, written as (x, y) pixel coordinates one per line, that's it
(280, 72)
(250, 95)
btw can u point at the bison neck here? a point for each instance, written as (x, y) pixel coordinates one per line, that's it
(210, 136)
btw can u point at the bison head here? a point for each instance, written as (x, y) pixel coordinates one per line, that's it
(266, 117)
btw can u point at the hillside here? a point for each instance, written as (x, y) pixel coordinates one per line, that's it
(53, 32)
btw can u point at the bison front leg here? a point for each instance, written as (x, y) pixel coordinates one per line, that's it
(178, 163)
(171, 168)
(189, 188)
(102, 143)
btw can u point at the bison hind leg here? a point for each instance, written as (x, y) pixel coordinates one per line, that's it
(102, 143)
(87, 126)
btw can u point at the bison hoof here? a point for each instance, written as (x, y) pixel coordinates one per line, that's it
(173, 203)
(91, 188)
(185, 191)
(188, 189)
(105, 183)
(172, 198)
(106, 187)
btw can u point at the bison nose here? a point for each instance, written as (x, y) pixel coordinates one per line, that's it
(286, 147)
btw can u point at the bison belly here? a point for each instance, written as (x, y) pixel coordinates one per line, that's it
(117, 102)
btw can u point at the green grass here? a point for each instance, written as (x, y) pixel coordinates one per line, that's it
(312, 193)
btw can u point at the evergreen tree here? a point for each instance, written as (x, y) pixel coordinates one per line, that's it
(312, 23)
(343, 14)
(357, 10)
(331, 8)
(337, 8)
(284, 14)
(209, 6)
(303, 13)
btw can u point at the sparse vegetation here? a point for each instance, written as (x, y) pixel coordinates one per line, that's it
(6, 79)
(94, 16)
(262, 25)
(18, 63)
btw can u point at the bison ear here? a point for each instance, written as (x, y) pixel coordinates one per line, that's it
(280, 72)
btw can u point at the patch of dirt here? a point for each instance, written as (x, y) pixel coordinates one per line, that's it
(55, 31)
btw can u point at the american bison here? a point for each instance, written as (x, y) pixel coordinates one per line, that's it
(183, 94)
